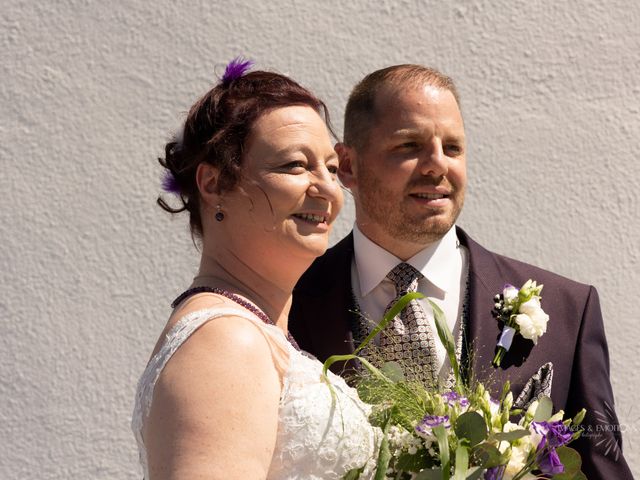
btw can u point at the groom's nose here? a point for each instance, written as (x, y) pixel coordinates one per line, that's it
(433, 161)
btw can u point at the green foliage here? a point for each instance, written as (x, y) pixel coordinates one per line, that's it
(443, 448)
(353, 474)
(544, 410)
(461, 464)
(414, 463)
(446, 337)
(393, 371)
(470, 446)
(471, 428)
(572, 463)
(433, 474)
(511, 436)
(384, 456)
(487, 456)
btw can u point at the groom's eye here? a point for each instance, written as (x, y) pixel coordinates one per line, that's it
(408, 145)
(452, 149)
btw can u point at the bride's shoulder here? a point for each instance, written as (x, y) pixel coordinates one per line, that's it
(212, 338)
(219, 371)
(216, 324)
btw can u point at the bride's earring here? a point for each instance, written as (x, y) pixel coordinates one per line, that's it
(219, 215)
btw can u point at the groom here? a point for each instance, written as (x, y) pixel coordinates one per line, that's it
(404, 160)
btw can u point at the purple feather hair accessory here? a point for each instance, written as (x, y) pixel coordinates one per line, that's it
(170, 184)
(235, 69)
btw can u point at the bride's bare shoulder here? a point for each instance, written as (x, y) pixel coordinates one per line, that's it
(229, 329)
(206, 399)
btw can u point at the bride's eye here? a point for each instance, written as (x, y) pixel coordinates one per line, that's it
(294, 166)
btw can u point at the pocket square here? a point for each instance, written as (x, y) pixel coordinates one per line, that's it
(537, 386)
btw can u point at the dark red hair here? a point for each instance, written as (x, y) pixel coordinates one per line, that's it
(217, 128)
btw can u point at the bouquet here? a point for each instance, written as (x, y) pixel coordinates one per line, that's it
(460, 434)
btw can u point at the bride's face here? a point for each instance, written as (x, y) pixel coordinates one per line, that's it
(289, 194)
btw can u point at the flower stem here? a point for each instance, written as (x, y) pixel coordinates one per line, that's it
(499, 355)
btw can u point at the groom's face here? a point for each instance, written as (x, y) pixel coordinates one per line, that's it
(409, 179)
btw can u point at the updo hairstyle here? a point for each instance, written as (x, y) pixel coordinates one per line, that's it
(216, 130)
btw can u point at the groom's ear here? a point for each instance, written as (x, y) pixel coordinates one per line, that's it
(347, 166)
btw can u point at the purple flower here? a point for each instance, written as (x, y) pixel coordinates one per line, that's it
(429, 422)
(549, 462)
(452, 398)
(554, 434)
(235, 69)
(494, 473)
(170, 183)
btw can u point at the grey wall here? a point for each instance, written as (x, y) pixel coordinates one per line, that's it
(90, 91)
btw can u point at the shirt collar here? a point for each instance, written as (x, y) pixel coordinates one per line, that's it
(374, 262)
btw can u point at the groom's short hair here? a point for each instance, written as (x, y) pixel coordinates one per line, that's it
(360, 114)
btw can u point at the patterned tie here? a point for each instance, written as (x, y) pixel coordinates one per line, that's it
(410, 338)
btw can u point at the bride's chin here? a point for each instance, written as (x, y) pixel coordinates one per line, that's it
(312, 249)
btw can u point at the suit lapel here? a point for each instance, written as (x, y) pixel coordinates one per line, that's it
(331, 304)
(485, 281)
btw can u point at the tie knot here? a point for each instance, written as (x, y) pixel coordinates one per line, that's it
(405, 278)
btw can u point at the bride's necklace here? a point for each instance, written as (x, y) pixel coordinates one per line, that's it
(236, 298)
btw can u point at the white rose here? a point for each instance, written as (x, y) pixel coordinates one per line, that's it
(517, 460)
(531, 305)
(532, 320)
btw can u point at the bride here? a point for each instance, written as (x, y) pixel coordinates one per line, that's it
(227, 394)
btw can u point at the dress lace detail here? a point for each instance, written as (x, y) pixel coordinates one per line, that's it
(321, 435)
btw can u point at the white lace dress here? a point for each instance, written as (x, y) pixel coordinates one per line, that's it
(319, 436)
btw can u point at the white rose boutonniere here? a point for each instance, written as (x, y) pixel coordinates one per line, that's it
(521, 312)
(532, 320)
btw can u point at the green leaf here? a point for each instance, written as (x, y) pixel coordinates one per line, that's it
(487, 455)
(413, 463)
(572, 463)
(462, 463)
(446, 337)
(368, 392)
(570, 476)
(510, 436)
(384, 455)
(393, 371)
(544, 410)
(432, 474)
(353, 474)
(472, 427)
(443, 448)
(333, 359)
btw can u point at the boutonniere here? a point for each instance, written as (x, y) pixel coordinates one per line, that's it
(520, 311)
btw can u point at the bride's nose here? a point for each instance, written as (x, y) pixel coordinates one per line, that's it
(325, 184)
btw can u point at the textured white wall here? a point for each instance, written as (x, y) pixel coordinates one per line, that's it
(90, 91)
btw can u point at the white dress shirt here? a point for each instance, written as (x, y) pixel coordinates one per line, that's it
(444, 265)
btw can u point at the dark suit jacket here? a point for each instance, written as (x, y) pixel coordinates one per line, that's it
(574, 342)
